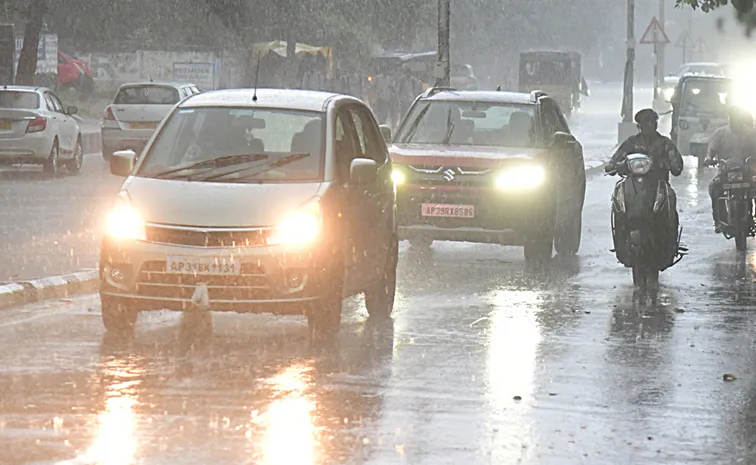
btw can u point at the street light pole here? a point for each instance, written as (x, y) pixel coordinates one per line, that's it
(627, 101)
(662, 47)
(443, 78)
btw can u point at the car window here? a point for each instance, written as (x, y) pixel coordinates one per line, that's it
(367, 138)
(61, 60)
(345, 143)
(192, 135)
(19, 100)
(469, 123)
(195, 91)
(53, 103)
(147, 95)
(56, 101)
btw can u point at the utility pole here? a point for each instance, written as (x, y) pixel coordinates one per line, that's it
(660, 52)
(626, 128)
(443, 67)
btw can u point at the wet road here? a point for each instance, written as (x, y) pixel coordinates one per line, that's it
(54, 227)
(600, 380)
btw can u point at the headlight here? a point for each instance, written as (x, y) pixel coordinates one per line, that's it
(124, 222)
(300, 227)
(640, 165)
(521, 177)
(398, 176)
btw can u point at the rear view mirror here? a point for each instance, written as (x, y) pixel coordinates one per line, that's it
(562, 140)
(122, 162)
(72, 110)
(386, 133)
(474, 114)
(363, 171)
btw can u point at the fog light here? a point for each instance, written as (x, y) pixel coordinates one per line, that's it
(294, 278)
(117, 275)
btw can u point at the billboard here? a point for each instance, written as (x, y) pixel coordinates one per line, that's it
(47, 53)
(201, 74)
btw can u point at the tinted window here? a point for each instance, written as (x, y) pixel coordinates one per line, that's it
(469, 123)
(19, 100)
(366, 136)
(194, 135)
(147, 95)
(56, 105)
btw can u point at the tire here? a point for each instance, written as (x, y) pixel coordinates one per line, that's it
(324, 317)
(117, 317)
(567, 239)
(639, 277)
(421, 243)
(52, 165)
(741, 238)
(701, 159)
(74, 165)
(379, 301)
(645, 278)
(539, 249)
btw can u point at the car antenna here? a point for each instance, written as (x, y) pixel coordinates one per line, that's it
(257, 76)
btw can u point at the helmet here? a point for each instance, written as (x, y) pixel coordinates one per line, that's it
(646, 115)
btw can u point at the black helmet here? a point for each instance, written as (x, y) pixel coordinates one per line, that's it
(646, 115)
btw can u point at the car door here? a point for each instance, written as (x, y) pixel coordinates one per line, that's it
(67, 127)
(377, 199)
(355, 252)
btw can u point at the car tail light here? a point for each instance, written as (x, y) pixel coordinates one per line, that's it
(109, 116)
(38, 124)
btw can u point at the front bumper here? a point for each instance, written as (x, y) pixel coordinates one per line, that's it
(500, 218)
(263, 285)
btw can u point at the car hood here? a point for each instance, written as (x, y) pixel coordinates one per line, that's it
(470, 156)
(211, 204)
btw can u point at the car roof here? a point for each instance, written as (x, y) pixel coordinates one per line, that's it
(25, 88)
(177, 85)
(716, 77)
(288, 99)
(488, 96)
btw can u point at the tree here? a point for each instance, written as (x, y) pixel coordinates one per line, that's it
(744, 9)
(34, 15)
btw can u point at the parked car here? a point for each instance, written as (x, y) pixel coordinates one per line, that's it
(74, 73)
(137, 109)
(283, 203)
(491, 167)
(36, 130)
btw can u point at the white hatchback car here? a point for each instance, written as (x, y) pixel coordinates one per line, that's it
(36, 130)
(136, 111)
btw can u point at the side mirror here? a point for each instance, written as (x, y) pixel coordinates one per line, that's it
(363, 171)
(72, 110)
(386, 133)
(562, 140)
(122, 162)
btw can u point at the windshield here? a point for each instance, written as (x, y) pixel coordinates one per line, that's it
(705, 98)
(469, 123)
(19, 100)
(548, 72)
(196, 135)
(147, 95)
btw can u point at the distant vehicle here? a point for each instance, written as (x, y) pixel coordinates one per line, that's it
(36, 130)
(74, 73)
(283, 204)
(491, 167)
(136, 111)
(735, 211)
(463, 77)
(557, 72)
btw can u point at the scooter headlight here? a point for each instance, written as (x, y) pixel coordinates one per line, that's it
(641, 165)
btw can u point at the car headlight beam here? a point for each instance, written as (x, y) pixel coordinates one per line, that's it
(301, 227)
(398, 176)
(521, 177)
(124, 222)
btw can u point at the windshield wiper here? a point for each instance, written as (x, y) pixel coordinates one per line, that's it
(268, 166)
(415, 125)
(450, 125)
(219, 162)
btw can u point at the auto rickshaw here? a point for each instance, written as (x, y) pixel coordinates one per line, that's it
(699, 107)
(559, 74)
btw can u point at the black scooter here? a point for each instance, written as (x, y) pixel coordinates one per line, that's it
(736, 207)
(645, 225)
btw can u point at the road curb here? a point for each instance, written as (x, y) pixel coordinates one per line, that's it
(54, 287)
(91, 142)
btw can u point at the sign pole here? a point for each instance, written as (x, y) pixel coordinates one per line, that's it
(627, 101)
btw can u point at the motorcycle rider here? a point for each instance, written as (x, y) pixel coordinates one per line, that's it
(736, 140)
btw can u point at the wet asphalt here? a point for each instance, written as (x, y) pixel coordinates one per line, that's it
(485, 361)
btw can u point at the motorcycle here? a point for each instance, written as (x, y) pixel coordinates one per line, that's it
(736, 206)
(645, 225)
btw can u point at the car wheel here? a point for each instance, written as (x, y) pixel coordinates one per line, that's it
(51, 166)
(324, 317)
(567, 239)
(116, 316)
(379, 301)
(74, 165)
(539, 248)
(421, 243)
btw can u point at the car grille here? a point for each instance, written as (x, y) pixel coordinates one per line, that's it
(198, 237)
(251, 284)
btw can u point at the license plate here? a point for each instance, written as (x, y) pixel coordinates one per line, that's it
(5, 124)
(448, 211)
(143, 125)
(737, 185)
(203, 265)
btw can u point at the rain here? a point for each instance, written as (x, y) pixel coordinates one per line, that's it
(377, 232)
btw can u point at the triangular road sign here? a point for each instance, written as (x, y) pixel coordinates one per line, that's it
(683, 40)
(654, 33)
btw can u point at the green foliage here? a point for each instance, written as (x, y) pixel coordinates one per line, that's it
(744, 9)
